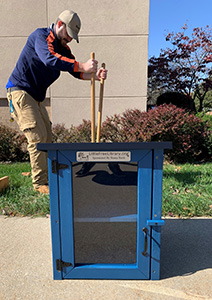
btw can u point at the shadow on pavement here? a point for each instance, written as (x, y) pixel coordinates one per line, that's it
(186, 247)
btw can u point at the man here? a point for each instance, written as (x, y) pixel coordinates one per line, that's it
(43, 57)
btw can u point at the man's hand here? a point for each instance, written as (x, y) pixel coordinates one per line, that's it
(101, 74)
(89, 66)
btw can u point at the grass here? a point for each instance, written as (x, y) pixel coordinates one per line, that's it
(187, 191)
(20, 198)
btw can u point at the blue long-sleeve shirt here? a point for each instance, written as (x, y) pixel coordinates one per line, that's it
(40, 63)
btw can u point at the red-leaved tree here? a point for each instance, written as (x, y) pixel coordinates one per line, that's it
(184, 68)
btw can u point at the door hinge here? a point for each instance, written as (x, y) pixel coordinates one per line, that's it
(56, 166)
(61, 264)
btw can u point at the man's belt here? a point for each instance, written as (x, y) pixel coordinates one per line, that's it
(14, 88)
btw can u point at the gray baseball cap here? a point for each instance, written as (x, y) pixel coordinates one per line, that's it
(72, 21)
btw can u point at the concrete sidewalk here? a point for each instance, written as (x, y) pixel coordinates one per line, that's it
(26, 266)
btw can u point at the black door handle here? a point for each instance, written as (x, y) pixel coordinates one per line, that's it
(145, 230)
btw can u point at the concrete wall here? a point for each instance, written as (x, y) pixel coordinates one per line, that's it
(116, 30)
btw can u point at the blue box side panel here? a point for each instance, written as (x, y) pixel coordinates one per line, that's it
(55, 214)
(66, 213)
(144, 209)
(156, 212)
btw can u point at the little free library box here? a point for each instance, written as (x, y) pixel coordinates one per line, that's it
(106, 221)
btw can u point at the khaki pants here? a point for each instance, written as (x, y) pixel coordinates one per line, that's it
(32, 118)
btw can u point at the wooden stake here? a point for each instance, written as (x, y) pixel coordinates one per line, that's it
(100, 107)
(93, 102)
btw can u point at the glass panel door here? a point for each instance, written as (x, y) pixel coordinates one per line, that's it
(105, 213)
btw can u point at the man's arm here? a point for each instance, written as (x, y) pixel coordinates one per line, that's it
(44, 47)
(45, 50)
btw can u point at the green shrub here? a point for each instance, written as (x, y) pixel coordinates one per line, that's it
(207, 119)
(83, 132)
(60, 134)
(189, 134)
(79, 134)
(13, 146)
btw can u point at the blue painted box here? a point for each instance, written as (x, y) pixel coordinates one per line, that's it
(106, 224)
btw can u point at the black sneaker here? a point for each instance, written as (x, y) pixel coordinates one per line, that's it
(86, 167)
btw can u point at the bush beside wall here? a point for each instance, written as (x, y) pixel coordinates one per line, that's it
(191, 134)
(13, 146)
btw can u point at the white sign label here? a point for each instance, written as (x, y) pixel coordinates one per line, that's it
(104, 156)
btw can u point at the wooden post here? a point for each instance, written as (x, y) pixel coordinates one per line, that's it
(100, 107)
(93, 102)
